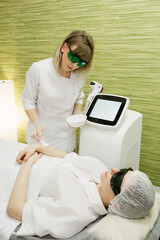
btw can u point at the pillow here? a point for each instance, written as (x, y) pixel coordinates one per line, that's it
(113, 227)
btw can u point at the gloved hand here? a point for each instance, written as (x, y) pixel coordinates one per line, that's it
(38, 131)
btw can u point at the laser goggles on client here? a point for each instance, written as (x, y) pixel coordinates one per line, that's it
(117, 178)
(75, 59)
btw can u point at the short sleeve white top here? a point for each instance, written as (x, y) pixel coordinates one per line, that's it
(68, 199)
(53, 97)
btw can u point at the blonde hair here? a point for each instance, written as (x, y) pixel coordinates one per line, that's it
(85, 50)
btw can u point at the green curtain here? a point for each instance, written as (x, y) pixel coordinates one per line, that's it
(126, 60)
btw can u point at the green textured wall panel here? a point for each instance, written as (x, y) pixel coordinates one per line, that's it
(126, 61)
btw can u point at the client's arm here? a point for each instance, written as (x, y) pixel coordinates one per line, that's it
(31, 149)
(19, 192)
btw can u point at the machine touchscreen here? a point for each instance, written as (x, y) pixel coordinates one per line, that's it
(107, 110)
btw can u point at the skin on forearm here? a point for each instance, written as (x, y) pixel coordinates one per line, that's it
(50, 151)
(32, 115)
(26, 153)
(77, 108)
(19, 192)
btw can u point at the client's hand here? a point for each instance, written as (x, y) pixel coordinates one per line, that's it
(34, 158)
(26, 153)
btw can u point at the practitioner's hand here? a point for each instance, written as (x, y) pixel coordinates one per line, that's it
(34, 158)
(38, 131)
(74, 128)
(26, 153)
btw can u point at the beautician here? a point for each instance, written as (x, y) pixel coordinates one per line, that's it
(54, 90)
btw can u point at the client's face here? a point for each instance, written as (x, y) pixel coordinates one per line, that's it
(117, 178)
(107, 192)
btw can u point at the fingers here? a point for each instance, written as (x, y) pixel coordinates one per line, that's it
(37, 134)
(27, 156)
(24, 155)
(38, 130)
(34, 135)
(74, 128)
(19, 161)
(40, 154)
(21, 156)
(35, 157)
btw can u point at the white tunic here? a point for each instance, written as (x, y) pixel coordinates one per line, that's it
(53, 97)
(67, 201)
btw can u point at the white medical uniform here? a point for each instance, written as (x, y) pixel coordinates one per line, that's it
(53, 97)
(68, 199)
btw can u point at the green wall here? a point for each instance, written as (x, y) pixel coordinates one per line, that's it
(126, 61)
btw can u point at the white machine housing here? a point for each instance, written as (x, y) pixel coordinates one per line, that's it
(118, 147)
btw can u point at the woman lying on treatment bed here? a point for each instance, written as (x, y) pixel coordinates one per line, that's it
(74, 193)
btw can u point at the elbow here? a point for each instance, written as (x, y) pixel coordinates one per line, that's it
(15, 212)
(10, 210)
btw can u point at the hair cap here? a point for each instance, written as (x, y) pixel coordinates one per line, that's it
(136, 197)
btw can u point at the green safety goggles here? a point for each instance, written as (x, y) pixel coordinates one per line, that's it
(117, 178)
(75, 59)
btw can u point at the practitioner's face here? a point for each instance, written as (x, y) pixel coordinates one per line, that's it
(67, 65)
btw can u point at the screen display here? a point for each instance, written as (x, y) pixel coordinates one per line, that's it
(105, 109)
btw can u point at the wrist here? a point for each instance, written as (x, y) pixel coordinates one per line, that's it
(77, 112)
(37, 123)
(27, 164)
(33, 147)
(40, 148)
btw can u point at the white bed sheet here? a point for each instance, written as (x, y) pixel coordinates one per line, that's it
(8, 172)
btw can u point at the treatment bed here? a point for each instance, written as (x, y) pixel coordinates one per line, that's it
(109, 227)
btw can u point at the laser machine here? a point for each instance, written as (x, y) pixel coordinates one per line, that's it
(112, 132)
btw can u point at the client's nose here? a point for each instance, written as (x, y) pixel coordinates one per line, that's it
(114, 170)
